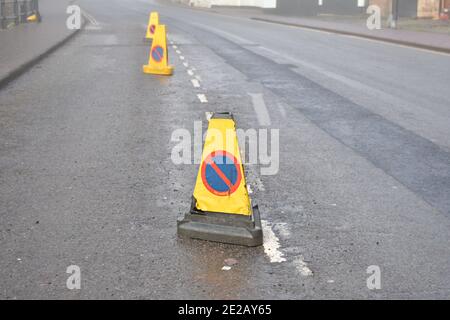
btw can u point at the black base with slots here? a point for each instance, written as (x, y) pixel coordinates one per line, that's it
(222, 227)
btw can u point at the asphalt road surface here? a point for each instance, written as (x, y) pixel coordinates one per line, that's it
(86, 176)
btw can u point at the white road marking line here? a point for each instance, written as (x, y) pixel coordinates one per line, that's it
(175, 47)
(198, 77)
(208, 115)
(89, 17)
(282, 109)
(195, 83)
(91, 27)
(203, 99)
(271, 244)
(190, 72)
(186, 65)
(302, 267)
(178, 51)
(272, 248)
(260, 109)
(181, 58)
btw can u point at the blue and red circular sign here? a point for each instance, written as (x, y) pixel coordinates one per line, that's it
(221, 173)
(158, 53)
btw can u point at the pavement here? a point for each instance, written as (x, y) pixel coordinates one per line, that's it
(87, 179)
(28, 43)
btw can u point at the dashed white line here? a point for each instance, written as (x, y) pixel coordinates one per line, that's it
(302, 267)
(181, 58)
(260, 109)
(272, 250)
(186, 65)
(202, 98)
(282, 110)
(208, 115)
(271, 244)
(178, 51)
(195, 83)
(89, 17)
(190, 72)
(175, 47)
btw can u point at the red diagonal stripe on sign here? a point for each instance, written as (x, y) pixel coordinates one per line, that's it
(220, 174)
(159, 56)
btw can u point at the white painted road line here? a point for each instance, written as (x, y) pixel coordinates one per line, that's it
(178, 51)
(202, 98)
(181, 58)
(175, 47)
(208, 115)
(282, 110)
(89, 17)
(271, 244)
(302, 267)
(190, 72)
(195, 83)
(260, 109)
(186, 65)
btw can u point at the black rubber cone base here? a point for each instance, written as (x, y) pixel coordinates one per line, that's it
(223, 227)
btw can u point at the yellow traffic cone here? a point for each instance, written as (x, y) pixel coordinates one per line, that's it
(32, 18)
(221, 185)
(159, 56)
(221, 209)
(153, 21)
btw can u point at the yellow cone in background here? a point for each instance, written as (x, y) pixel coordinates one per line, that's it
(221, 185)
(32, 18)
(153, 22)
(159, 57)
